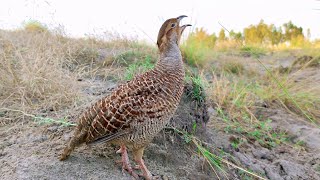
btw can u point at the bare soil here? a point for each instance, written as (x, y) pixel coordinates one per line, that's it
(30, 151)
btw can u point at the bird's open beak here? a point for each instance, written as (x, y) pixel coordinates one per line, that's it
(183, 27)
(181, 17)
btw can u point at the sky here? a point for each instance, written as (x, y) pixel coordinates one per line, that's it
(142, 19)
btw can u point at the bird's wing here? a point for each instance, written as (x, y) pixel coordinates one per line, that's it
(135, 101)
(107, 137)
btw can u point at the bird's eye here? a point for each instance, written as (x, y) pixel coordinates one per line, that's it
(173, 25)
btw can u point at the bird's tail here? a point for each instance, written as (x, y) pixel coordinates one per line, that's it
(77, 139)
(81, 131)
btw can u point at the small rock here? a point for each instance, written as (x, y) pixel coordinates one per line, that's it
(272, 174)
(67, 136)
(3, 153)
(291, 169)
(52, 128)
(39, 139)
(262, 153)
(211, 111)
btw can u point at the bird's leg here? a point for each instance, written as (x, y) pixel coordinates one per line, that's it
(125, 161)
(137, 155)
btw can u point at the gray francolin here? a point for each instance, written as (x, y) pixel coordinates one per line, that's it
(137, 110)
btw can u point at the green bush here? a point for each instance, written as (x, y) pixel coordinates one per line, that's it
(252, 51)
(138, 68)
(35, 26)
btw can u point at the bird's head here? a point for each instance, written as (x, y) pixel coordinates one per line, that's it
(170, 32)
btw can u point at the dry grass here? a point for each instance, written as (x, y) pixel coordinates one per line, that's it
(32, 73)
(237, 103)
(238, 93)
(303, 96)
(238, 99)
(228, 45)
(235, 68)
(40, 70)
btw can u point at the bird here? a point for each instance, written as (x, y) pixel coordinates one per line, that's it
(131, 115)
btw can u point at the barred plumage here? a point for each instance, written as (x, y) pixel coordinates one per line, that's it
(136, 111)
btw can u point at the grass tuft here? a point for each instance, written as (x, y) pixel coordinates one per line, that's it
(196, 55)
(214, 161)
(235, 101)
(138, 68)
(198, 88)
(253, 51)
(233, 67)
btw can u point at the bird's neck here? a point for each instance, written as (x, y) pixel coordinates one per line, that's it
(170, 58)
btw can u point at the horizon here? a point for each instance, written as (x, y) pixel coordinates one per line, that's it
(128, 18)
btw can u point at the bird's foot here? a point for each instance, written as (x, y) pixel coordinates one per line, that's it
(145, 172)
(125, 162)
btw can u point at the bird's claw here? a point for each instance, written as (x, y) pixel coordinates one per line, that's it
(127, 168)
(136, 167)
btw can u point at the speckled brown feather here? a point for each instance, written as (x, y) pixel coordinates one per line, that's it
(149, 96)
(136, 111)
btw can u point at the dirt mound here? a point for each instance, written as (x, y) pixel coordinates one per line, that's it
(307, 61)
(192, 114)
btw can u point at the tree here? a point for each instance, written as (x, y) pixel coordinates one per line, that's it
(308, 33)
(235, 36)
(276, 35)
(267, 34)
(291, 31)
(222, 35)
(251, 35)
(202, 38)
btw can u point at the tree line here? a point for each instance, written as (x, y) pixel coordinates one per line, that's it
(259, 34)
